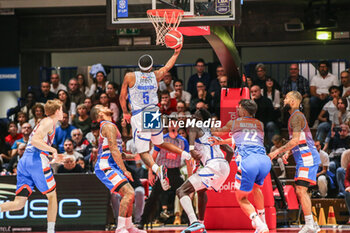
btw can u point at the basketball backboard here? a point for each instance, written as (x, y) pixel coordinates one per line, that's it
(132, 13)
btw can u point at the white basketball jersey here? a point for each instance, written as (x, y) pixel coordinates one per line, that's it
(144, 92)
(208, 152)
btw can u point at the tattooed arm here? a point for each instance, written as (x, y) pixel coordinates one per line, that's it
(297, 123)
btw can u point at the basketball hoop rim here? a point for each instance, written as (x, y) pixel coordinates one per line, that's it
(161, 12)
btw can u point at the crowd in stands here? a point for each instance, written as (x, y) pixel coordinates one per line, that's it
(325, 105)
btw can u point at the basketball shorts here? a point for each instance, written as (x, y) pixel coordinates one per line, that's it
(141, 137)
(211, 176)
(109, 173)
(251, 170)
(34, 170)
(306, 174)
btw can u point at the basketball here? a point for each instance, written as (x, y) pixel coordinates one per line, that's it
(173, 39)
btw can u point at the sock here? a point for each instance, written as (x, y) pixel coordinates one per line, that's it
(186, 204)
(51, 227)
(201, 221)
(128, 222)
(254, 217)
(121, 222)
(309, 220)
(155, 168)
(261, 214)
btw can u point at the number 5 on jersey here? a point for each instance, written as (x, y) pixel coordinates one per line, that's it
(145, 97)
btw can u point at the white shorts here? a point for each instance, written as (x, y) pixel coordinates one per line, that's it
(212, 176)
(142, 139)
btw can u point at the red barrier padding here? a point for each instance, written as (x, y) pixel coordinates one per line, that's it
(291, 197)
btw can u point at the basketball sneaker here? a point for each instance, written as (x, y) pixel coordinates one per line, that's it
(308, 229)
(135, 230)
(195, 227)
(121, 230)
(317, 227)
(262, 229)
(163, 177)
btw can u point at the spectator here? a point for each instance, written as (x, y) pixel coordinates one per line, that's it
(201, 75)
(327, 114)
(56, 85)
(83, 121)
(265, 113)
(183, 133)
(15, 159)
(63, 132)
(180, 107)
(82, 164)
(339, 142)
(21, 119)
(104, 100)
(29, 102)
(167, 105)
(99, 85)
(173, 162)
(319, 86)
(180, 94)
(202, 94)
(200, 104)
(75, 95)
(38, 113)
(272, 93)
(68, 105)
(345, 83)
(261, 77)
(167, 83)
(112, 92)
(345, 160)
(88, 104)
(217, 96)
(26, 131)
(13, 135)
(347, 189)
(81, 144)
(70, 166)
(83, 87)
(215, 83)
(94, 134)
(125, 130)
(321, 176)
(343, 116)
(296, 82)
(278, 142)
(45, 93)
(249, 82)
(69, 149)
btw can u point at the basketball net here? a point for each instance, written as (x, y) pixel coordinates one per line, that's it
(163, 21)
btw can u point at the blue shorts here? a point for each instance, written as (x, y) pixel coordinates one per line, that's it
(109, 173)
(308, 174)
(34, 170)
(252, 170)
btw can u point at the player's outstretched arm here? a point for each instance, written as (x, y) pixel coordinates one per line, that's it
(171, 62)
(124, 95)
(229, 152)
(214, 141)
(41, 132)
(219, 132)
(297, 125)
(110, 131)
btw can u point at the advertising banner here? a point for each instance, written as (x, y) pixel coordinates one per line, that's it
(82, 205)
(9, 79)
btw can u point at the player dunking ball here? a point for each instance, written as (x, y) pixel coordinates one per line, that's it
(252, 162)
(34, 167)
(110, 168)
(141, 89)
(214, 173)
(305, 154)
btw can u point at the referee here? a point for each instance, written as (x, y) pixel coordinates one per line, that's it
(173, 162)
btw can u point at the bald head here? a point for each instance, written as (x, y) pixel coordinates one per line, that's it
(292, 100)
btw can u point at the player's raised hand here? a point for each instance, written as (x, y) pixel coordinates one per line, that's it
(214, 141)
(179, 48)
(58, 158)
(127, 117)
(285, 157)
(128, 175)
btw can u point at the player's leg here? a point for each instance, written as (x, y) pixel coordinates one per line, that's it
(202, 204)
(259, 202)
(14, 205)
(51, 211)
(125, 208)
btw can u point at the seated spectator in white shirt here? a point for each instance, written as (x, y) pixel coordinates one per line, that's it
(180, 94)
(319, 86)
(322, 181)
(82, 83)
(167, 83)
(56, 85)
